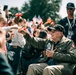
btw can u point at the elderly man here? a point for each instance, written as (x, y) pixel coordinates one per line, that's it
(63, 54)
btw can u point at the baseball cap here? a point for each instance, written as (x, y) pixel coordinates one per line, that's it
(57, 27)
(70, 5)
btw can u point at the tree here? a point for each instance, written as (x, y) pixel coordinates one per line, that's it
(44, 8)
(52, 9)
(37, 7)
(25, 10)
(14, 10)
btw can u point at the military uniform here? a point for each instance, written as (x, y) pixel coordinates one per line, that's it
(64, 57)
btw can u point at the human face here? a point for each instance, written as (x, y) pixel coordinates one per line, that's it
(36, 34)
(22, 23)
(56, 35)
(2, 23)
(70, 11)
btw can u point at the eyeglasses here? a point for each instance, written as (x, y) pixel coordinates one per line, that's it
(53, 31)
(70, 8)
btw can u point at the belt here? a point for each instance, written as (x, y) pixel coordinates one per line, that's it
(15, 46)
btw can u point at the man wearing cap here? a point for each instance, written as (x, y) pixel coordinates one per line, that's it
(63, 53)
(69, 22)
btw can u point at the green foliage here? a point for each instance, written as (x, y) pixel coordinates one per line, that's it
(44, 8)
(25, 10)
(14, 10)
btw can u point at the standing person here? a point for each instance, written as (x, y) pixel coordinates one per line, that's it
(5, 68)
(69, 22)
(3, 22)
(63, 54)
(16, 45)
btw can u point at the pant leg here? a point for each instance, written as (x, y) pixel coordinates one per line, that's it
(25, 65)
(53, 70)
(16, 58)
(36, 69)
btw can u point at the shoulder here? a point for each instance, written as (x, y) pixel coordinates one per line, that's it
(5, 68)
(3, 58)
(65, 39)
(63, 20)
(68, 42)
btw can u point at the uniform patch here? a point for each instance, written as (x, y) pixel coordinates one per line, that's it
(73, 45)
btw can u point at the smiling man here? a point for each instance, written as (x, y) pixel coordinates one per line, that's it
(63, 53)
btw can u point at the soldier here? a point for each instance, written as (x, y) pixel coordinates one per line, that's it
(63, 54)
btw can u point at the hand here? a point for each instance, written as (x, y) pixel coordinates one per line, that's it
(11, 36)
(22, 31)
(49, 53)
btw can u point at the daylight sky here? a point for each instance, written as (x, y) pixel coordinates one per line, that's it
(19, 3)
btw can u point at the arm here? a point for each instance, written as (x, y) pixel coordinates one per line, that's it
(36, 42)
(10, 27)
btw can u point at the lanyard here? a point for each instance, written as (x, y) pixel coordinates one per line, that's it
(71, 24)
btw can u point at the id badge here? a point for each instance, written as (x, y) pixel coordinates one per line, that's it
(70, 33)
(49, 46)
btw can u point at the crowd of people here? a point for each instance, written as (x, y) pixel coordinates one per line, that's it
(37, 48)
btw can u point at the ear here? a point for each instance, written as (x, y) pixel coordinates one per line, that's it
(74, 9)
(61, 33)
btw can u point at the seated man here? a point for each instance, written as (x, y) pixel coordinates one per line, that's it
(31, 54)
(63, 54)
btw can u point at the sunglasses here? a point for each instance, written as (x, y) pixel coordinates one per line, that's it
(70, 8)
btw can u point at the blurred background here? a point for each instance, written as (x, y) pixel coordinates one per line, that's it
(55, 9)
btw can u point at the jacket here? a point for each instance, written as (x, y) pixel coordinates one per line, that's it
(65, 53)
(64, 22)
(5, 68)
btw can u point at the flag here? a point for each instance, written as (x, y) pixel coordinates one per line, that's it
(34, 19)
(39, 20)
(49, 20)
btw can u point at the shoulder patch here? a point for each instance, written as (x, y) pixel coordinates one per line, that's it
(73, 45)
